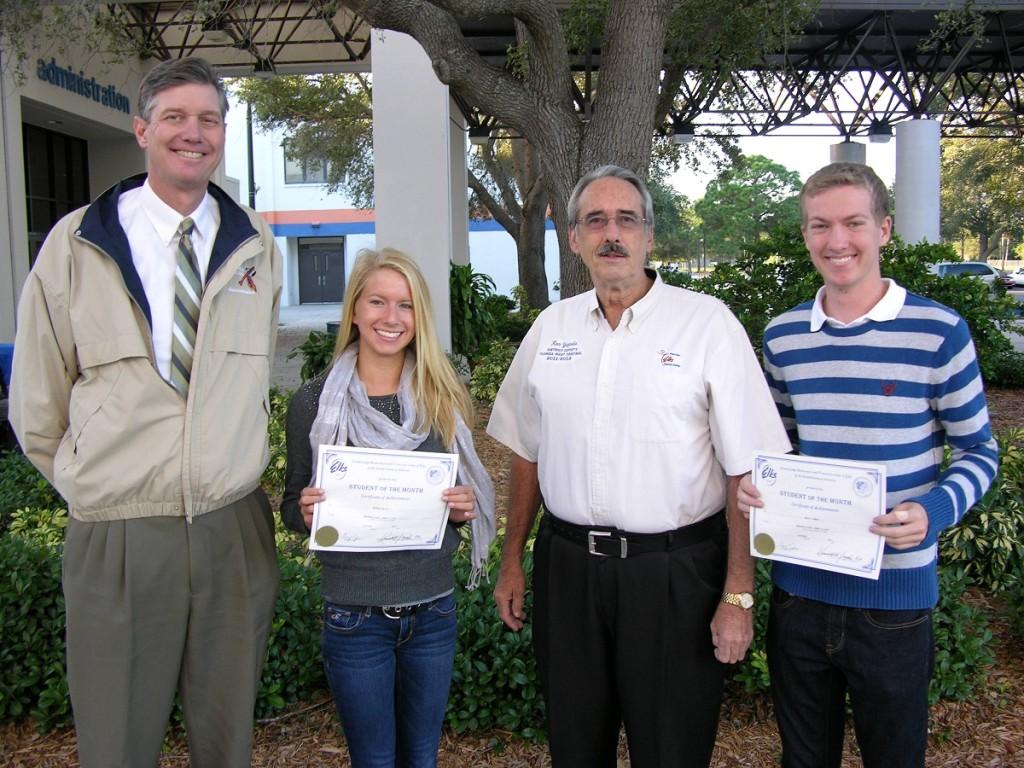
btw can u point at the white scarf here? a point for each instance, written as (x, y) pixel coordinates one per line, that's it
(345, 415)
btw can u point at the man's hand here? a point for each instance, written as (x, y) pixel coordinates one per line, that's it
(904, 527)
(732, 630)
(509, 591)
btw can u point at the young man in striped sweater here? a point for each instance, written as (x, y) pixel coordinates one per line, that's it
(867, 371)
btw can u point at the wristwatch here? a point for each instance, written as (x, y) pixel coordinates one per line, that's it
(743, 600)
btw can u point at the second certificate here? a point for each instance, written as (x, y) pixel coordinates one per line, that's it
(817, 512)
(380, 500)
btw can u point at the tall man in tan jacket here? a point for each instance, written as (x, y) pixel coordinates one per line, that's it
(140, 390)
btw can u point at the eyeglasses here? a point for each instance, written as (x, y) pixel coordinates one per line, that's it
(626, 222)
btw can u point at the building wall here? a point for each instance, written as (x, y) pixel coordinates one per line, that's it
(77, 95)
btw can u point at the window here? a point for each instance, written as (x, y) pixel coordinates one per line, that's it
(300, 171)
(56, 180)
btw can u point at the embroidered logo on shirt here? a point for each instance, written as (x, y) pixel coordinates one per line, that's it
(668, 359)
(888, 387)
(561, 351)
(244, 281)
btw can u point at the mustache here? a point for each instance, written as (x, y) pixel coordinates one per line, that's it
(609, 247)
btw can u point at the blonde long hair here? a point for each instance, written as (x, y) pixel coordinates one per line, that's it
(436, 388)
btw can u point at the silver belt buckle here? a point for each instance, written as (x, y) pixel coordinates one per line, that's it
(592, 537)
(391, 611)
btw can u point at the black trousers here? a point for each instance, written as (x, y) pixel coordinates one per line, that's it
(628, 641)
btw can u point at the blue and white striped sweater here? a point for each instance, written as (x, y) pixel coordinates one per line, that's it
(892, 393)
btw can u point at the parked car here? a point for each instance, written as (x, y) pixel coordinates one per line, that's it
(979, 269)
(1018, 277)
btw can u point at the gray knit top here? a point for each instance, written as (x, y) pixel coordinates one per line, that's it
(362, 578)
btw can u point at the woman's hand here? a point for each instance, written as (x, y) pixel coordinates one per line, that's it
(461, 503)
(307, 498)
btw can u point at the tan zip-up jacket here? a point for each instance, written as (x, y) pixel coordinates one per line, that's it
(88, 404)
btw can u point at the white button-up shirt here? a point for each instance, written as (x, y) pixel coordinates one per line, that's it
(152, 230)
(637, 427)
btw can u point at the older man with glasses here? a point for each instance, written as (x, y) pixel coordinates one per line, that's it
(631, 410)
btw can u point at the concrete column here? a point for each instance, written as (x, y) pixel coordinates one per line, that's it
(419, 166)
(917, 181)
(848, 152)
(14, 219)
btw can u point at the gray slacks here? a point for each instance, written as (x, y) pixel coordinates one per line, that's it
(159, 604)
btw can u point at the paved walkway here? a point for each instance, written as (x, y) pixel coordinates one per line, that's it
(292, 329)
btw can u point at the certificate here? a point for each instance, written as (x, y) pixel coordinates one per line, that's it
(817, 513)
(381, 500)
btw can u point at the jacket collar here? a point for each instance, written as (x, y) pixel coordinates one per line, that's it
(101, 226)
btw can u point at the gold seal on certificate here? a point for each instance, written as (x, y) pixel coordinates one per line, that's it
(818, 512)
(380, 499)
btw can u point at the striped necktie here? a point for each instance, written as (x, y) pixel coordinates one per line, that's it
(188, 294)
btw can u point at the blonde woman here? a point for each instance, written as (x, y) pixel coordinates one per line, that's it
(389, 617)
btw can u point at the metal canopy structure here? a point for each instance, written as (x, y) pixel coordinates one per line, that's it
(859, 67)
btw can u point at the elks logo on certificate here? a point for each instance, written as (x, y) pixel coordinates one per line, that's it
(379, 500)
(818, 512)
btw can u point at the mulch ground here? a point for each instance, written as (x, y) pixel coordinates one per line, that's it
(987, 731)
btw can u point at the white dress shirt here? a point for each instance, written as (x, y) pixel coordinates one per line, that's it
(152, 229)
(637, 427)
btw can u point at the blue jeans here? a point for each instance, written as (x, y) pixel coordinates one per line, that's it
(819, 652)
(390, 679)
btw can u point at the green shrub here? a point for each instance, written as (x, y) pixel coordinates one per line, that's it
(273, 476)
(472, 321)
(22, 486)
(294, 669)
(32, 677)
(988, 544)
(317, 352)
(963, 651)
(490, 370)
(776, 274)
(494, 682)
(1014, 596)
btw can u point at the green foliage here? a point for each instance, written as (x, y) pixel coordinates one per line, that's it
(273, 476)
(512, 317)
(746, 202)
(293, 670)
(963, 640)
(327, 119)
(988, 544)
(317, 352)
(490, 370)
(776, 274)
(773, 276)
(472, 323)
(1015, 605)
(494, 682)
(21, 485)
(32, 620)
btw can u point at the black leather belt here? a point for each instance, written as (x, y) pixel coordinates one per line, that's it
(611, 542)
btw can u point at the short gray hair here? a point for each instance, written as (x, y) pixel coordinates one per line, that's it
(174, 72)
(614, 172)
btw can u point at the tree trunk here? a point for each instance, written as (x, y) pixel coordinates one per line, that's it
(538, 105)
(530, 249)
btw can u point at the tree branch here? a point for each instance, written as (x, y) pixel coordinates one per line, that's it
(497, 212)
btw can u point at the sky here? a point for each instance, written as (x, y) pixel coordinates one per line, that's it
(803, 154)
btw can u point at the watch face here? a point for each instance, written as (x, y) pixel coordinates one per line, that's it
(746, 600)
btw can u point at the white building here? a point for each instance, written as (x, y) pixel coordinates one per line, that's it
(320, 233)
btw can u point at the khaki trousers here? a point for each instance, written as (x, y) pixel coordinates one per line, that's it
(156, 605)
